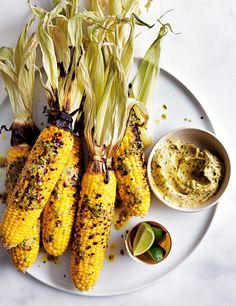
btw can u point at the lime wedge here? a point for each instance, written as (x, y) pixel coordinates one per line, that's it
(156, 252)
(143, 239)
(159, 234)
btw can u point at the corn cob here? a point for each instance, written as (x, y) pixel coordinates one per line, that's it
(59, 213)
(96, 208)
(129, 160)
(51, 151)
(25, 254)
(106, 112)
(130, 169)
(20, 86)
(36, 182)
(23, 132)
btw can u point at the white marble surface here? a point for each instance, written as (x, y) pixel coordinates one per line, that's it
(203, 57)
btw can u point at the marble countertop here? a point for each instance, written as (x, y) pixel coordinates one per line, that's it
(203, 57)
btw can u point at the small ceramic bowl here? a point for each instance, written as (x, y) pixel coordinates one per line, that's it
(166, 244)
(202, 139)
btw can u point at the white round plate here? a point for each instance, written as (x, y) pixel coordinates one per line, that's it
(187, 230)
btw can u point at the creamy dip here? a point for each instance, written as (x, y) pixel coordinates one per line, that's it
(185, 175)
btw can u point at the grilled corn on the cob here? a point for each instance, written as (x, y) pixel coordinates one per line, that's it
(129, 160)
(130, 169)
(92, 230)
(36, 182)
(20, 87)
(106, 113)
(24, 254)
(59, 213)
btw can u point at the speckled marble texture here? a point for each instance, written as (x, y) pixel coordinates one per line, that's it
(203, 56)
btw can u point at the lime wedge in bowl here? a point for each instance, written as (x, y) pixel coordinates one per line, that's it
(159, 234)
(143, 239)
(156, 253)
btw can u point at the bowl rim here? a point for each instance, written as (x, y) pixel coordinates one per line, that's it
(176, 207)
(136, 258)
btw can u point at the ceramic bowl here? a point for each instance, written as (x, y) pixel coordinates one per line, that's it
(166, 243)
(202, 139)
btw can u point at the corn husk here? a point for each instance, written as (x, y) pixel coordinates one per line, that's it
(60, 40)
(97, 6)
(71, 7)
(115, 7)
(107, 106)
(17, 69)
(145, 82)
(130, 7)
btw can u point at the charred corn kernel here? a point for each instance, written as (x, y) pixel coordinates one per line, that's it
(16, 159)
(35, 184)
(131, 173)
(59, 213)
(96, 208)
(25, 254)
